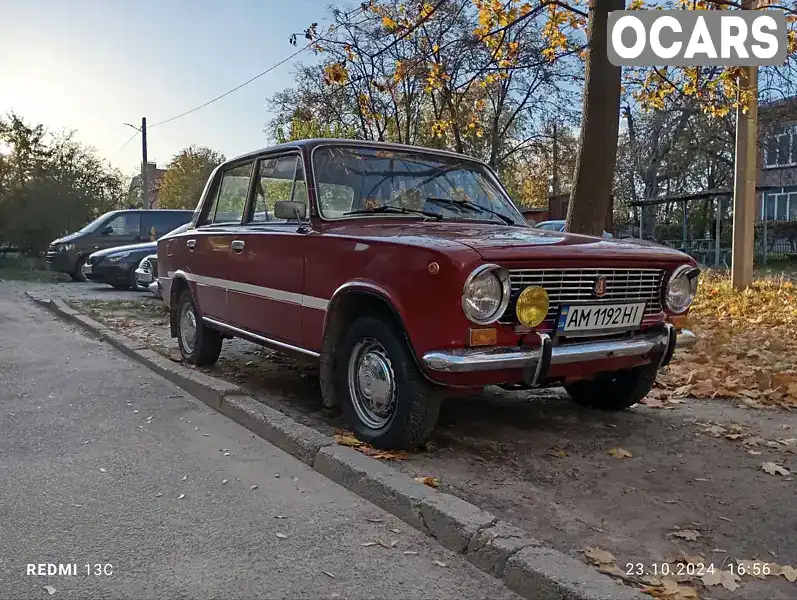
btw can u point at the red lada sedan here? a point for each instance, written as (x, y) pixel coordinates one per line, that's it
(410, 275)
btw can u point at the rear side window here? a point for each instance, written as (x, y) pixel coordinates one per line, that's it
(231, 193)
(158, 223)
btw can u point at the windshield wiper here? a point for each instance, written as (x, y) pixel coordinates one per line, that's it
(395, 209)
(472, 206)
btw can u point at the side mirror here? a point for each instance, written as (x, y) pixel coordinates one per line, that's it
(107, 230)
(290, 210)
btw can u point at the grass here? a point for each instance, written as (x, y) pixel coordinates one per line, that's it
(28, 269)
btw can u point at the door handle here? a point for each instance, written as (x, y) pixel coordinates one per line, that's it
(237, 246)
(191, 244)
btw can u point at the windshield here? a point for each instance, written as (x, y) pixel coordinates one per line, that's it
(93, 225)
(412, 184)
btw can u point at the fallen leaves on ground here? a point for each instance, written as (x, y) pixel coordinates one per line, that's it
(345, 438)
(720, 576)
(599, 556)
(686, 534)
(746, 348)
(50, 589)
(773, 469)
(620, 453)
(432, 482)
(672, 590)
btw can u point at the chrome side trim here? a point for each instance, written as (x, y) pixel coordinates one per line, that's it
(466, 360)
(257, 338)
(259, 291)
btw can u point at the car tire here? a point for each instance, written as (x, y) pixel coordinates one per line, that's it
(614, 391)
(204, 346)
(385, 398)
(77, 273)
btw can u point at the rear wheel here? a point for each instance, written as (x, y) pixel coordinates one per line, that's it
(77, 274)
(385, 398)
(200, 345)
(614, 391)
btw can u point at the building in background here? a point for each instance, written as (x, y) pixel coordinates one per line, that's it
(777, 160)
(154, 177)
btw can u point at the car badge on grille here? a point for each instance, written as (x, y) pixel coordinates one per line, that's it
(600, 287)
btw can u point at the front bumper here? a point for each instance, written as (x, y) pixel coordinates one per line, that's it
(62, 262)
(108, 273)
(660, 342)
(143, 278)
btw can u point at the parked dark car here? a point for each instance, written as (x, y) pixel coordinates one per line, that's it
(117, 266)
(113, 229)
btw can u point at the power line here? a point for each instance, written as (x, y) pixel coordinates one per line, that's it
(127, 142)
(248, 81)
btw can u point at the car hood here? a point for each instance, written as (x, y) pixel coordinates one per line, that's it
(66, 239)
(143, 249)
(497, 242)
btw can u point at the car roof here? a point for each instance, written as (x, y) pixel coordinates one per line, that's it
(312, 143)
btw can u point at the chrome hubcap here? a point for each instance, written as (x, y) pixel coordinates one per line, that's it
(188, 328)
(372, 383)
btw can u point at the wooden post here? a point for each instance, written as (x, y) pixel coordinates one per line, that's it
(744, 179)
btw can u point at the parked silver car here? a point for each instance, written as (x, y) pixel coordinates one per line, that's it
(147, 275)
(560, 226)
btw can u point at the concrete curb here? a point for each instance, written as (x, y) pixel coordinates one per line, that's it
(495, 547)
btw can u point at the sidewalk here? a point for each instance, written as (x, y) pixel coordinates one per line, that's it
(103, 462)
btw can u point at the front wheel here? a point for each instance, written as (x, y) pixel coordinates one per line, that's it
(614, 391)
(77, 274)
(385, 398)
(200, 345)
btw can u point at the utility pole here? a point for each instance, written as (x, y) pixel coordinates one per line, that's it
(555, 158)
(144, 171)
(744, 179)
(144, 164)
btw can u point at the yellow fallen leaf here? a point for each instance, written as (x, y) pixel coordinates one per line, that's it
(432, 482)
(773, 469)
(612, 570)
(686, 534)
(724, 577)
(790, 573)
(681, 557)
(598, 556)
(347, 440)
(620, 453)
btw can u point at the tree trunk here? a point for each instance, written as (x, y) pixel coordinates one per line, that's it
(589, 210)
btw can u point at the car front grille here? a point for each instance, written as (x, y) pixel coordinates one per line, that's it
(566, 286)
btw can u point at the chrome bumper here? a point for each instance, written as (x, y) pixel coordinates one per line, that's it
(497, 359)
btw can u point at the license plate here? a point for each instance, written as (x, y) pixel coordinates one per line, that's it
(583, 319)
(87, 269)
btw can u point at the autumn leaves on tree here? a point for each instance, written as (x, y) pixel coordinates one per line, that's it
(489, 78)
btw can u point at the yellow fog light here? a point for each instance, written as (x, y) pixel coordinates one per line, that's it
(532, 306)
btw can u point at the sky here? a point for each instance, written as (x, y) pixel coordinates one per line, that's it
(92, 65)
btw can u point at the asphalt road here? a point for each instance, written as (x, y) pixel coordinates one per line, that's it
(104, 463)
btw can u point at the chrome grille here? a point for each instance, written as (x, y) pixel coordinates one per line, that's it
(565, 286)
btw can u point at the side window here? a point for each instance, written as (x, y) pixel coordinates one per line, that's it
(230, 198)
(277, 179)
(124, 225)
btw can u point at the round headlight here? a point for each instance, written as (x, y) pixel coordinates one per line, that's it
(681, 289)
(486, 294)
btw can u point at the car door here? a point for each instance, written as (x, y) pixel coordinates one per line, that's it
(123, 229)
(209, 244)
(269, 255)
